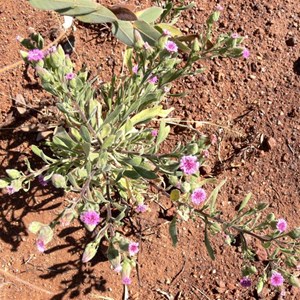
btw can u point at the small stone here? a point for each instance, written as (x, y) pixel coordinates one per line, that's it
(271, 142)
(285, 157)
(290, 42)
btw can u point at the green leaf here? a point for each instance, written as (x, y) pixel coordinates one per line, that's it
(244, 202)
(13, 174)
(105, 131)
(149, 114)
(123, 30)
(37, 151)
(162, 133)
(35, 227)
(173, 231)
(131, 174)
(45, 234)
(213, 197)
(148, 32)
(144, 172)
(260, 285)
(208, 245)
(262, 206)
(62, 138)
(3, 183)
(295, 233)
(175, 195)
(85, 134)
(108, 142)
(127, 59)
(172, 29)
(150, 14)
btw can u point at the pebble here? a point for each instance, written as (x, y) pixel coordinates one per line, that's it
(290, 42)
(271, 143)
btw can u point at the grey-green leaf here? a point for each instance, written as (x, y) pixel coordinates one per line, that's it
(208, 245)
(173, 231)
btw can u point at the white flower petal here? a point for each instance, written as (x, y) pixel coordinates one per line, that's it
(68, 22)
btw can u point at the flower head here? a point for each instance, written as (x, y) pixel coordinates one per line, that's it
(126, 280)
(133, 248)
(246, 53)
(189, 164)
(40, 245)
(90, 217)
(154, 132)
(51, 50)
(141, 208)
(198, 196)
(42, 180)
(70, 76)
(235, 35)
(153, 79)
(276, 279)
(281, 225)
(10, 190)
(135, 69)
(171, 46)
(245, 282)
(213, 139)
(35, 55)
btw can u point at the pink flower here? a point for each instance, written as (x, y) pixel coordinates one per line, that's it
(10, 190)
(213, 139)
(70, 76)
(135, 69)
(40, 245)
(189, 164)
(205, 153)
(35, 55)
(153, 79)
(234, 35)
(166, 32)
(118, 268)
(90, 217)
(51, 50)
(219, 7)
(126, 280)
(171, 46)
(141, 208)
(245, 282)
(198, 196)
(246, 53)
(281, 225)
(276, 279)
(154, 132)
(133, 248)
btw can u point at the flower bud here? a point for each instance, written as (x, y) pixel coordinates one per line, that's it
(294, 281)
(138, 40)
(58, 181)
(89, 252)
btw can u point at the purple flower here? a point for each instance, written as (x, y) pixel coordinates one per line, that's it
(40, 245)
(246, 53)
(141, 208)
(126, 280)
(51, 50)
(198, 196)
(171, 46)
(10, 190)
(166, 32)
(154, 132)
(153, 79)
(234, 35)
(90, 217)
(133, 248)
(276, 279)
(42, 181)
(35, 55)
(70, 76)
(281, 225)
(189, 164)
(135, 69)
(245, 282)
(219, 7)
